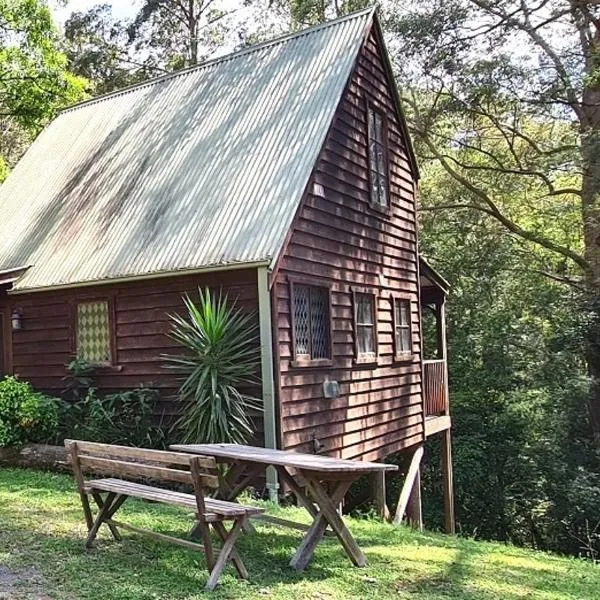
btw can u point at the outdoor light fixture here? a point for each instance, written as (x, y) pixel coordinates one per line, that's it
(17, 319)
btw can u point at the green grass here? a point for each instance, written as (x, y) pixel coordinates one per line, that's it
(42, 555)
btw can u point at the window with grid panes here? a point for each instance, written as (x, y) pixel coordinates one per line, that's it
(402, 326)
(366, 343)
(311, 322)
(93, 332)
(378, 161)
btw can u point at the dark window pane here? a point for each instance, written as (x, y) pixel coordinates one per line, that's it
(404, 340)
(364, 309)
(378, 159)
(365, 339)
(302, 319)
(319, 319)
(365, 324)
(311, 321)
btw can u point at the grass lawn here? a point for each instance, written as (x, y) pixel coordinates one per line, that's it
(42, 556)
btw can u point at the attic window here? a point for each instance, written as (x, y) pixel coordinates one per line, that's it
(378, 158)
(93, 332)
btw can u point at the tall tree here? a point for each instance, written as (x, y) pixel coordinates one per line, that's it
(179, 33)
(506, 70)
(34, 79)
(302, 13)
(98, 48)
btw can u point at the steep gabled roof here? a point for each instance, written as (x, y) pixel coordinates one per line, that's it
(204, 167)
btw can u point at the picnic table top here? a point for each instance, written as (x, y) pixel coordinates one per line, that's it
(283, 458)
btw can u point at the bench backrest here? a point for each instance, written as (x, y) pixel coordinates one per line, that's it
(124, 462)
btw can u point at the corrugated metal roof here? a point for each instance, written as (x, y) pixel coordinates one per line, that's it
(200, 168)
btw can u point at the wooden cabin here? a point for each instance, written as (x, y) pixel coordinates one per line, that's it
(283, 175)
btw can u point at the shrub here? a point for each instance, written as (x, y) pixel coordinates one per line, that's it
(221, 357)
(26, 415)
(121, 418)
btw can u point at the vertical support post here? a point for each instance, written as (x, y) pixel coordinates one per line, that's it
(267, 376)
(448, 482)
(414, 510)
(378, 495)
(443, 350)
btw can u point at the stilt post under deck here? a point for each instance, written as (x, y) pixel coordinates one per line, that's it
(449, 516)
(379, 496)
(414, 510)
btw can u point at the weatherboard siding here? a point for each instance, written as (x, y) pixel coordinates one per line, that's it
(338, 239)
(140, 325)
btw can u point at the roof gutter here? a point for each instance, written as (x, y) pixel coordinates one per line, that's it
(145, 277)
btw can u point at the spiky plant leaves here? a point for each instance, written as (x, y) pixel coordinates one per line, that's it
(221, 357)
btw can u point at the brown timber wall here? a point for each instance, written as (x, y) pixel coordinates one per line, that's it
(140, 326)
(340, 240)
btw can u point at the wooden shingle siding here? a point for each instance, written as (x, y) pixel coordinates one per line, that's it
(339, 239)
(141, 324)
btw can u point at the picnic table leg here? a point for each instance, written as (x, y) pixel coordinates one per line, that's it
(298, 491)
(328, 508)
(317, 530)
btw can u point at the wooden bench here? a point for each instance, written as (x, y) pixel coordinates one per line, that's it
(125, 467)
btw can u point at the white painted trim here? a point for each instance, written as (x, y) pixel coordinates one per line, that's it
(145, 277)
(267, 373)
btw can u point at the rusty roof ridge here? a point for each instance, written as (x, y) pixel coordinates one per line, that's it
(231, 56)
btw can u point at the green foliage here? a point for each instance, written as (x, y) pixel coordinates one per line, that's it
(220, 359)
(34, 80)
(124, 418)
(25, 415)
(99, 50)
(78, 381)
(302, 13)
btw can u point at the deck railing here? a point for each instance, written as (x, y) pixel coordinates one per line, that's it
(434, 387)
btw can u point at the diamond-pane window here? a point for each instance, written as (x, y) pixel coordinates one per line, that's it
(311, 322)
(365, 325)
(378, 158)
(402, 326)
(93, 332)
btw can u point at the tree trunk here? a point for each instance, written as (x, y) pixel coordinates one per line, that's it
(590, 196)
(193, 33)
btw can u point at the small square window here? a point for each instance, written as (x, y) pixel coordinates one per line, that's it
(402, 327)
(93, 332)
(365, 325)
(311, 322)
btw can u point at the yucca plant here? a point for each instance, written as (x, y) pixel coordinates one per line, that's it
(221, 356)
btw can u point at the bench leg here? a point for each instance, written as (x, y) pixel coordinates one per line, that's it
(87, 511)
(235, 557)
(98, 499)
(201, 530)
(224, 555)
(103, 514)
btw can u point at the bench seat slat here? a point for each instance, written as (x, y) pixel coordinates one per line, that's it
(214, 508)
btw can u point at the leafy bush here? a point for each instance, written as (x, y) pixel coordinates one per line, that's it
(221, 358)
(79, 379)
(121, 418)
(26, 415)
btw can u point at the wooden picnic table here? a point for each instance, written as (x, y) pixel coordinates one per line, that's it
(318, 482)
